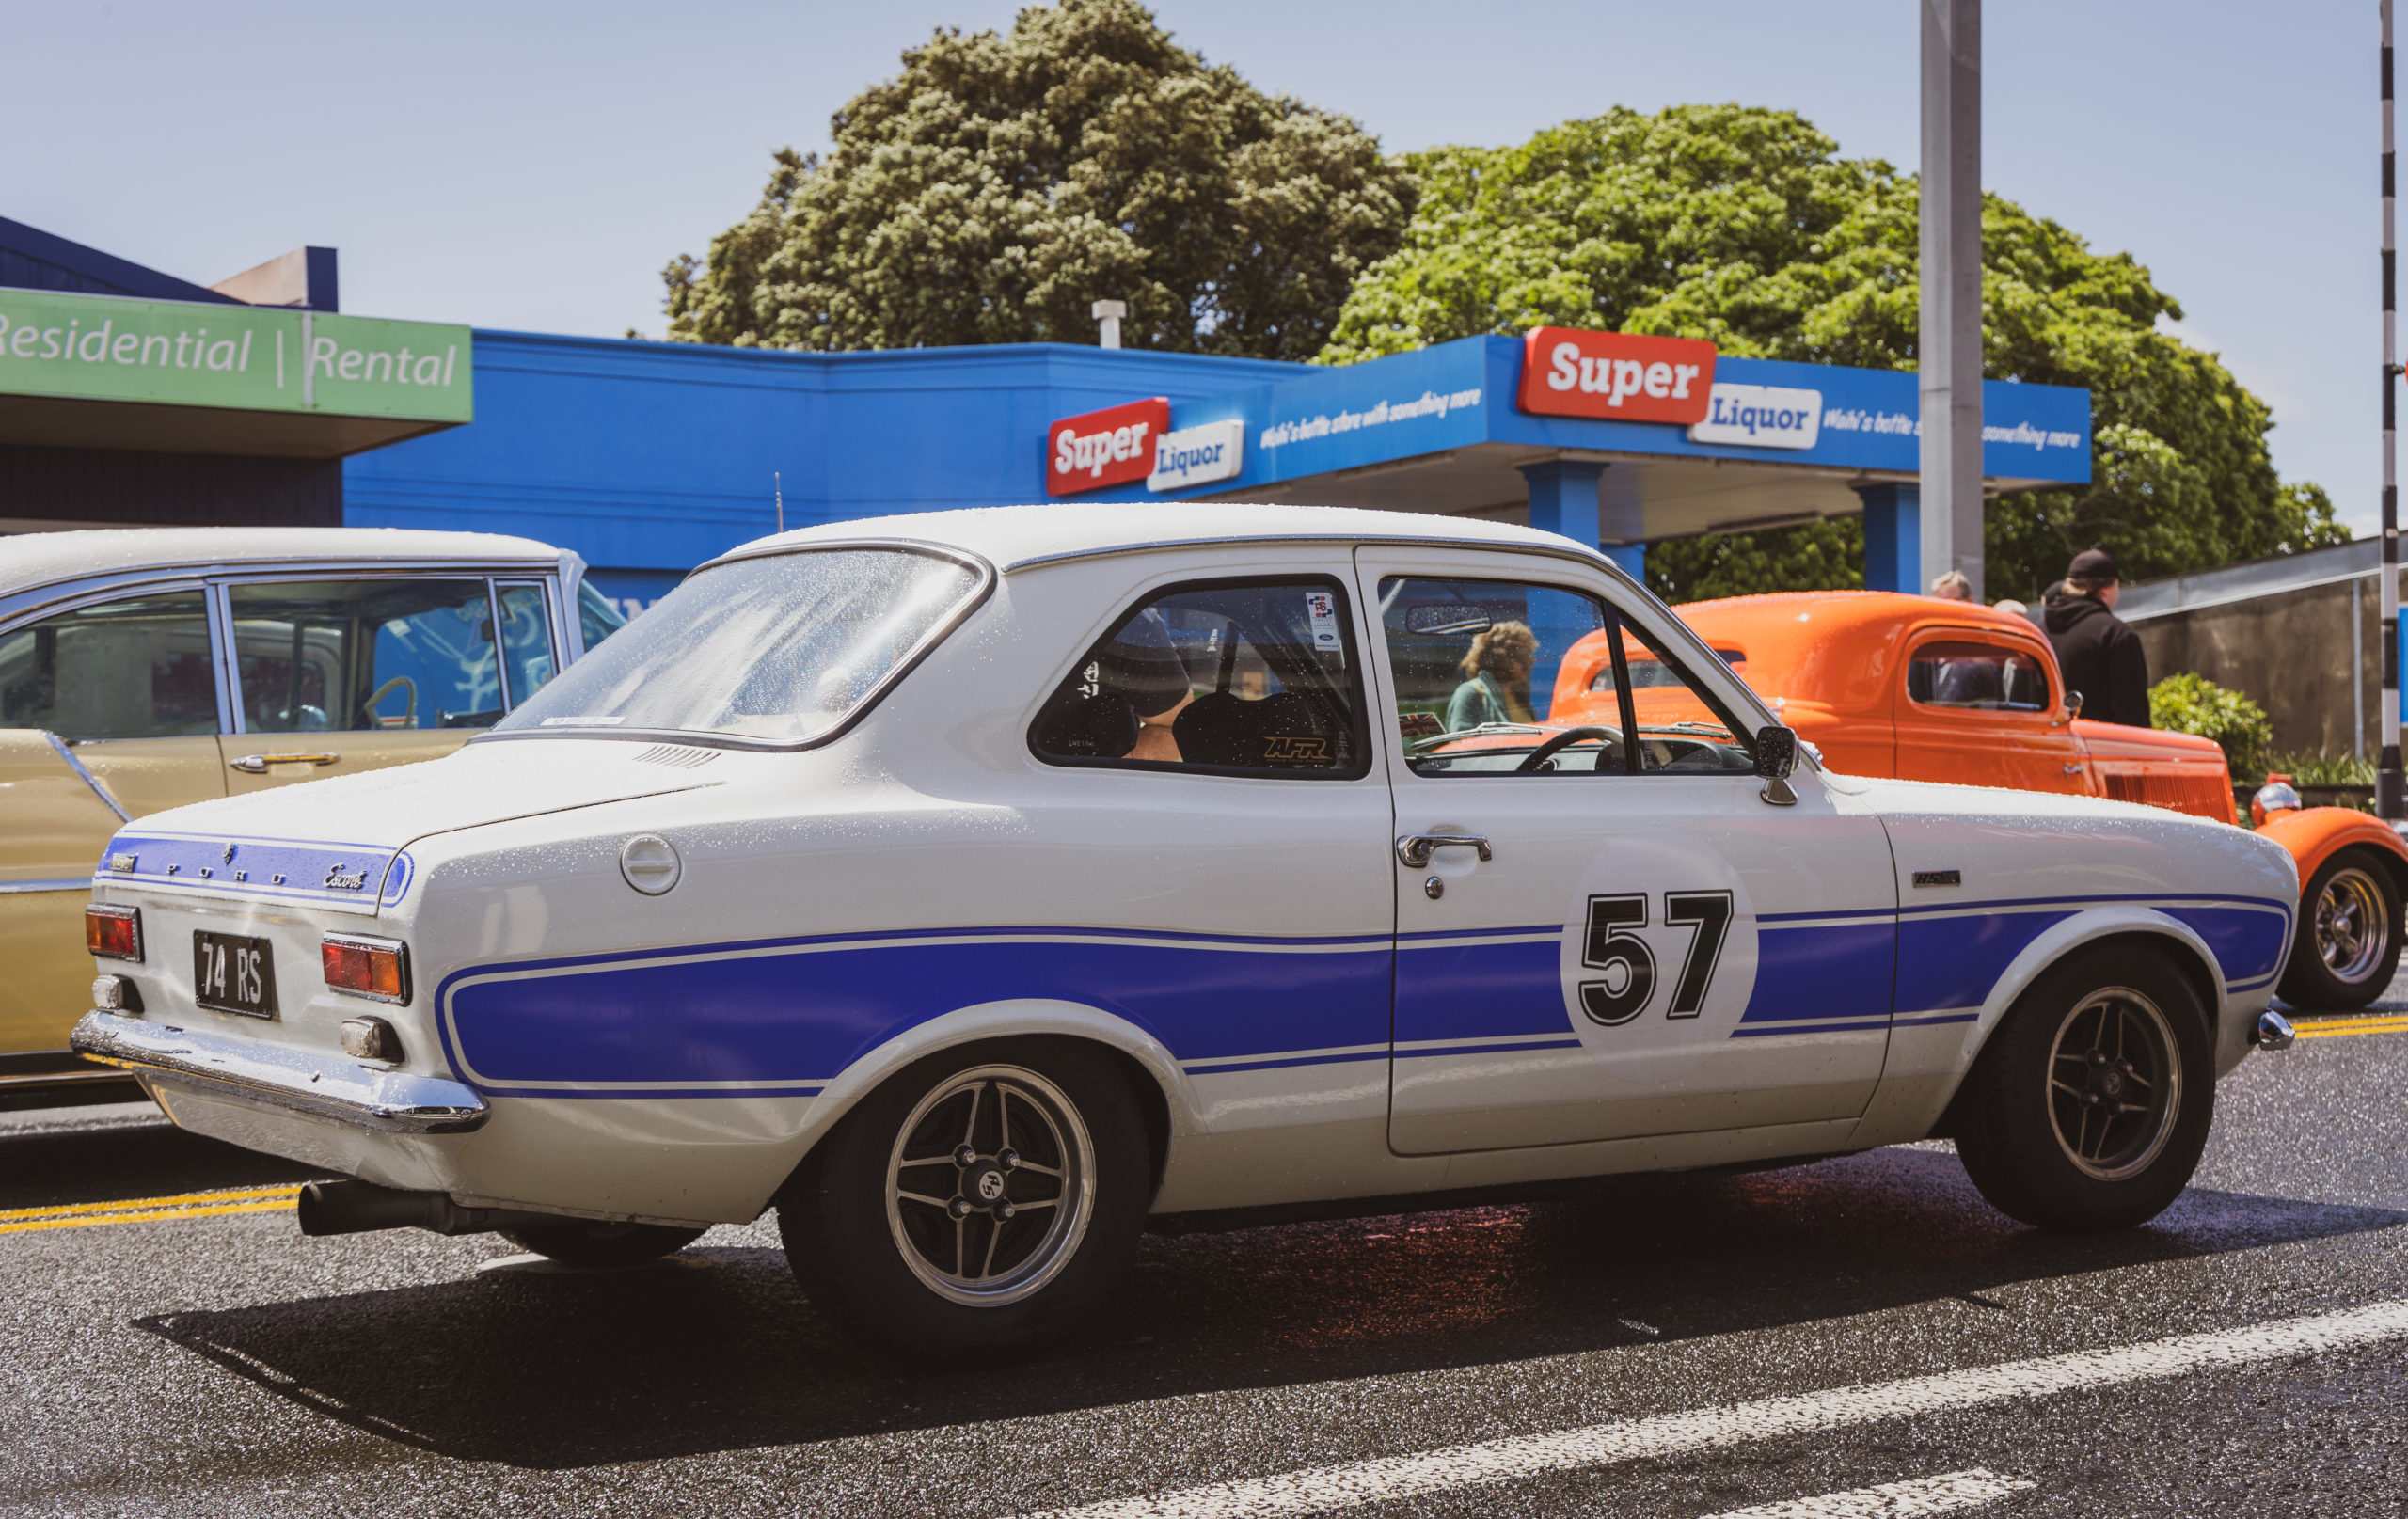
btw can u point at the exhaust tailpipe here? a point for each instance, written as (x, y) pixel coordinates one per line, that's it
(363, 1206)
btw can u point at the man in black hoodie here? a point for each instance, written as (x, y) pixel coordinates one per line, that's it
(2102, 657)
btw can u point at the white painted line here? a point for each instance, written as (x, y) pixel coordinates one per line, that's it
(1383, 1478)
(1945, 1493)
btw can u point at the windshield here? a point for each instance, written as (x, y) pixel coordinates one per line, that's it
(779, 647)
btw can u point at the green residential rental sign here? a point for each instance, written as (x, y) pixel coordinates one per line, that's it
(243, 358)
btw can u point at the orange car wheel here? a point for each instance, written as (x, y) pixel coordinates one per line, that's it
(2347, 946)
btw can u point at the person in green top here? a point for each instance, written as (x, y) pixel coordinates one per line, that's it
(1497, 670)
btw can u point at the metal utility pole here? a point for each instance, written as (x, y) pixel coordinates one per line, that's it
(1950, 346)
(2387, 787)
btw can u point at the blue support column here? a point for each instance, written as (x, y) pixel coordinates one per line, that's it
(1563, 498)
(1892, 537)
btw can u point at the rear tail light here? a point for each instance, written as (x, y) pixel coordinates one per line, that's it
(378, 969)
(112, 933)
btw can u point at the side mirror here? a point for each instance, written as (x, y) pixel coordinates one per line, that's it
(1776, 757)
(2073, 705)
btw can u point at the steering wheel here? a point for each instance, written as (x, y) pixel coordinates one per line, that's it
(1558, 744)
(368, 708)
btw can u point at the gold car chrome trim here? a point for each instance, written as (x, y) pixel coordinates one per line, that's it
(67, 754)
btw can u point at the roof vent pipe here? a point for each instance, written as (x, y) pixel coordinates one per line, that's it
(1107, 316)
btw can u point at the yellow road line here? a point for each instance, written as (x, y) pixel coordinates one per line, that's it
(85, 1221)
(152, 1202)
(145, 1210)
(2331, 1028)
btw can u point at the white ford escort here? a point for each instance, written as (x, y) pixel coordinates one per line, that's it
(970, 886)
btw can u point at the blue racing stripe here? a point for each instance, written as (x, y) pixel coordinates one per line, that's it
(798, 1013)
(1840, 970)
(1489, 1048)
(1954, 963)
(1480, 991)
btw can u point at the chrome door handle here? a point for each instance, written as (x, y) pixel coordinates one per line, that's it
(2074, 770)
(1414, 848)
(258, 763)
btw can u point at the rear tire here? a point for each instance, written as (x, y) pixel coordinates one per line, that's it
(577, 1242)
(2091, 1103)
(978, 1206)
(2345, 948)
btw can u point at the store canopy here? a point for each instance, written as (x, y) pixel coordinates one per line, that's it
(108, 371)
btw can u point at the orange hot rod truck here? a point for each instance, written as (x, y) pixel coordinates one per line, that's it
(1925, 689)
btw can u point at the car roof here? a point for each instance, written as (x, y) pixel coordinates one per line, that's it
(35, 559)
(1836, 646)
(1838, 612)
(1012, 537)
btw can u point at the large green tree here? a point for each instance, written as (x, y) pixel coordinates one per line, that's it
(1743, 226)
(1000, 184)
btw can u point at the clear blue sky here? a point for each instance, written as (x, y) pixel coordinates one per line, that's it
(533, 166)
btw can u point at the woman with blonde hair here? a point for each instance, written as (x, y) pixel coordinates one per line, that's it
(1495, 669)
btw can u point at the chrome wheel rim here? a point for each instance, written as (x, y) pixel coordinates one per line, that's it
(2351, 928)
(990, 1185)
(2114, 1083)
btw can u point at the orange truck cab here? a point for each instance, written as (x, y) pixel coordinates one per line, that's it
(1925, 690)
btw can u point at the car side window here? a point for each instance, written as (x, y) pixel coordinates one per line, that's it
(596, 619)
(320, 655)
(1253, 677)
(526, 650)
(1990, 677)
(136, 668)
(1499, 678)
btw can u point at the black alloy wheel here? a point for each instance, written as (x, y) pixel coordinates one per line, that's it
(2089, 1107)
(977, 1205)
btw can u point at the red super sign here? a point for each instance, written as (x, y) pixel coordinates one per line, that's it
(1110, 447)
(1619, 376)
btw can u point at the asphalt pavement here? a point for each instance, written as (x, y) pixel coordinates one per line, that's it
(1858, 1336)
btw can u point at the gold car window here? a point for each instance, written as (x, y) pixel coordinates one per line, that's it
(346, 656)
(527, 655)
(136, 668)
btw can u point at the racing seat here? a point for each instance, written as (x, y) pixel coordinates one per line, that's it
(1283, 731)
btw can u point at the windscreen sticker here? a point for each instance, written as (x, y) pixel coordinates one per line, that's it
(1320, 608)
(1659, 956)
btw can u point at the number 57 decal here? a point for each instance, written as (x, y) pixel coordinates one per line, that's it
(1610, 946)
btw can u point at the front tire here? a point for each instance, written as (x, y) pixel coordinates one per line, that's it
(2346, 949)
(2090, 1105)
(979, 1205)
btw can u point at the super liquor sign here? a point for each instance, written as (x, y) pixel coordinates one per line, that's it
(1616, 376)
(242, 357)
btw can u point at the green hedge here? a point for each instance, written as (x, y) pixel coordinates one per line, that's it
(2193, 703)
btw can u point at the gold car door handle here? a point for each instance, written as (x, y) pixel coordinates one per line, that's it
(1415, 848)
(259, 764)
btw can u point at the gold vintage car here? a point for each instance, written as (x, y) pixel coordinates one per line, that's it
(141, 669)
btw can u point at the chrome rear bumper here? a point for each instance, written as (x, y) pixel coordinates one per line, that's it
(392, 1103)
